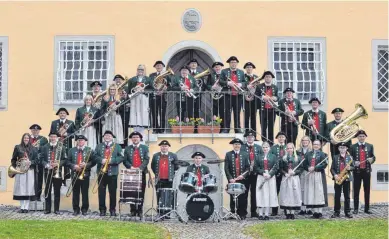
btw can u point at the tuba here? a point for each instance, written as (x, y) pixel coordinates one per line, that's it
(22, 166)
(250, 94)
(346, 130)
(88, 119)
(198, 77)
(160, 81)
(216, 91)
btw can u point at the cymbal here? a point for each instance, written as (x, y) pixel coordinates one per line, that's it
(217, 161)
(182, 163)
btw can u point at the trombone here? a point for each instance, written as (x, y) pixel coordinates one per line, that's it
(236, 87)
(103, 171)
(78, 176)
(57, 159)
(313, 127)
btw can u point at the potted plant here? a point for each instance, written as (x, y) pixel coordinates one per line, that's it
(210, 127)
(185, 127)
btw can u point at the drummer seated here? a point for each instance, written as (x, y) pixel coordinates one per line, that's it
(198, 169)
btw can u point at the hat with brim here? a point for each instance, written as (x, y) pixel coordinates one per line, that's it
(314, 99)
(337, 110)
(288, 89)
(236, 141)
(281, 133)
(193, 61)
(249, 64)
(198, 154)
(250, 133)
(217, 63)
(95, 83)
(184, 68)
(62, 109)
(267, 73)
(78, 137)
(361, 132)
(54, 133)
(158, 62)
(135, 133)
(232, 58)
(342, 144)
(35, 126)
(118, 76)
(109, 132)
(164, 142)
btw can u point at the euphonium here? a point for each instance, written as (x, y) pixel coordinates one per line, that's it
(88, 118)
(250, 94)
(123, 84)
(216, 91)
(236, 87)
(344, 174)
(160, 81)
(98, 98)
(198, 77)
(64, 128)
(348, 128)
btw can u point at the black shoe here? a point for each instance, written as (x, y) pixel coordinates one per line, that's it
(47, 212)
(302, 212)
(348, 215)
(112, 213)
(355, 212)
(25, 211)
(21, 211)
(76, 213)
(287, 216)
(335, 215)
(238, 131)
(315, 215)
(266, 218)
(242, 218)
(56, 212)
(260, 218)
(254, 214)
(133, 214)
(309, 212)
(368, 212)
(273, 214)
(292, 216)
(84, 213)
(103, 214)
(320, 215)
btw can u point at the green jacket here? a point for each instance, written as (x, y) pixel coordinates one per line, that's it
(301, 153)
(45, 156)
(173, 166)
(116, 158)
(88, 156)
(203, 169)
(369, 152)
(284, 165)
(334, 149)
(322, 125)
(144, 156)
(168, 78)
(272, 163)
(226, 74)
(335, 166)
(55, 126)
(212, 78)
(261, 89)
(176, 86)
(18, 153)
(319, 157)
(297, 107)
(80, 114)
(134, 81)
(230, 167)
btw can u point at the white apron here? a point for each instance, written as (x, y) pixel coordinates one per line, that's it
(290, 193)
(267, 196)
(24, 185)
(90, 134)
(113, 122)
(139, 111)
(313, 190)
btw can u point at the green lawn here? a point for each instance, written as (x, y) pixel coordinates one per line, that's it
(320, 229)
(34, 229)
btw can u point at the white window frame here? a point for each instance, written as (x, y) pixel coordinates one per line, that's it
(378, 186)
(111, 57)
(4, 73)
(323, 85)
(377, 105)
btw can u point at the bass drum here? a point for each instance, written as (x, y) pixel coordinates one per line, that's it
(199, 207)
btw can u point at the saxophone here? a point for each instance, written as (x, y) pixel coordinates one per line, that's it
(344, 174)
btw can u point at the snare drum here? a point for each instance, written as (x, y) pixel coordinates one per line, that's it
(167, 199)
(188, 183)
(235, 188)
(199, 207)
(131, 186)
(209, 183)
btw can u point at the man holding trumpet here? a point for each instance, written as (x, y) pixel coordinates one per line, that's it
(316, 120)
(80, 160)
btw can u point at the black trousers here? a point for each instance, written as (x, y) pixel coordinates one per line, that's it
(267, 118)
(125, 115)
(185, 109)
(39, 184)
(225, 111)
(56, 183)
(234, 103)
(111, 182)
(278, 184)
(83, 187)
(359, 177)
(252, 182)
(158, 106)
(139, 207)
(242, 200)
(346, 192)
(250, 115)
(291, 131)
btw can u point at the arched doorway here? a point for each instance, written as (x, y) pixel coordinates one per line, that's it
(185, 154)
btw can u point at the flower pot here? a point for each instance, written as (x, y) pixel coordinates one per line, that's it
(184, 129)
(207, 129)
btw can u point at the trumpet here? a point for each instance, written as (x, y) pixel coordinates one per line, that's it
(188, 92)
(103, 171)
(216, 91)
(22, 166)
(78, 176)
(236, 87)
(313, 126)
(250, 94)
(88, 119)
(160, 81)
(289, 114)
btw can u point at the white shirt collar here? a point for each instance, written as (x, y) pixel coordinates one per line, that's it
(164, 153)
(53, 145)
(266, 84)
(197, 165)
(108, 143)
(237, 152)
(361, 143)
(82, 148)
(315, 111)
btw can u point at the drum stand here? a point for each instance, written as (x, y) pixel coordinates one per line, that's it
(174, 211)
(233, 215)
(218, 214)
(152, 209)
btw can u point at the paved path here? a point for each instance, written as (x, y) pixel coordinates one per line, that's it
(225, 229)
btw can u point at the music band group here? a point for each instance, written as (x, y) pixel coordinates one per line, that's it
(275, 174)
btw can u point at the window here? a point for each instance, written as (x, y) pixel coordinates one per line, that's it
(3, 72)
(80, 61)
(299, 63)
(379, 177)
(382, 176)
(380, 75)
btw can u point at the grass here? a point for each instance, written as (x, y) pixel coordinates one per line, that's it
(322, 229)
(74, 229)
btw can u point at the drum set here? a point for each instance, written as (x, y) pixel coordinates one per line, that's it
(198, 206)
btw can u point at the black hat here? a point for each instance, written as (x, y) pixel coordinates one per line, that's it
(54, 133)
(250, 133)
(342, 144)
(198, 154)
(193, 60)
(184, 67)
(267, 73)
(236, 141)
(118, 76)
(281, 133)
(232, 58)
(62, 109)
(158, 62)
(164, 142)
(109, 132)
(94, 83)
(249, 64)
(314, 99)
(35, 126)
(217, 63)
(81, 137)
(337, 110)
(135, 133)
(288, 89)
(361, 132)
